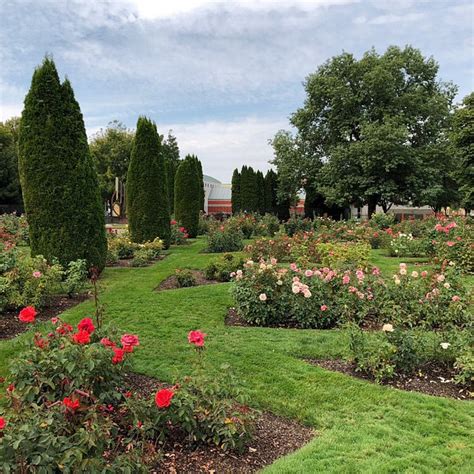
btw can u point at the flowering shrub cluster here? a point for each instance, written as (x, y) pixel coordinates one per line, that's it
(268, 295)
(69, 407)
(395, 351)
(119, 247)
(179, 235)
(14, 230)
(26, 280)
(185, 278)
(223, 237)
(224, 267)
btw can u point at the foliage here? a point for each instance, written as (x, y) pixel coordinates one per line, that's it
(344, 256)
(224, 267)
(110, 150)
(179, 235)
(185, 278)
(75, 277)
(10, 192)
(463, 140)
(14, 229)
(187, 195)
(404, 245)
(147, 191)
(236, 204)
(59, 183)
(381, 220)
(296, 224)
(171, 152)
(224, 238)
(370, 131)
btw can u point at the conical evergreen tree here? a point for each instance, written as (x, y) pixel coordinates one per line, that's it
(270, 192)
(59, 183)
(147, 189)
(187, 195)
(236, 201)
(171, 153)
(200, 177)
(260, 192)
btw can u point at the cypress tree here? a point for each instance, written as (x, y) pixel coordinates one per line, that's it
(59, 182)
(187, 195)
(248, 186)
(147, 188)
(260, 192)
(270, 192)
(236, 202)
(171, 153)
(200, 177)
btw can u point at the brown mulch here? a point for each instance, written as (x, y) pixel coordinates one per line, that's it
(171, 283)
(11, 326)
(127, 262)
(431, 379)
(273, 437)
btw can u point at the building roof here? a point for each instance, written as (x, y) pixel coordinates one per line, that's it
(210, 179)
(220, 193)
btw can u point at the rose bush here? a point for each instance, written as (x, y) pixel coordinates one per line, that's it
(69, 407)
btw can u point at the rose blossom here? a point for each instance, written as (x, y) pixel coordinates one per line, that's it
(118, 355)
(163, 398)
(324, 307)
(450, 243)
(445, 345)
(440, 278)
(273, 261)
(424, 274)
(71, 404)
(307, 293)
(293, 267)
(346, 279)
(308, 273)
(196, 338)
(106, 342)
(262, 297)
(82, 337)
(87, 325)
(129, 340)
(456, 298)
(447, 285)
(27, 315)
(295, 289)
(376, 271)
(414, 274)
(37, 274)
(2, 423)
(387, 328)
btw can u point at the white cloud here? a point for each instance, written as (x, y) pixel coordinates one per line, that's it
(152, 9)
(223, 146)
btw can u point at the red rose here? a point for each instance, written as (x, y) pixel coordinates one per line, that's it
(64, 329)
(40, 342)
(71, 404)
(163, 398)
(173, 222)
(128, 394)
(11, 387)
(86, 325)
(106, 342)
(2, 423)
(127, 348)
(129, 340)
(118, 355)
(27, 315)
(82, 337)
(196, 338)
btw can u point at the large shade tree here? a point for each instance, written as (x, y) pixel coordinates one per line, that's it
(147, 189)
(58, 179)
(366, 127)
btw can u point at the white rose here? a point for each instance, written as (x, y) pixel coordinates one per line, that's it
(447, 285)
(445, 345)
(387, 328)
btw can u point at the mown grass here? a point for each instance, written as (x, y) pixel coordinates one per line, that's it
(361, 427)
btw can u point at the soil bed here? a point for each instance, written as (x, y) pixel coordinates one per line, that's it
(171, 283)
(274, 437)
(431, 379)
(11, 326)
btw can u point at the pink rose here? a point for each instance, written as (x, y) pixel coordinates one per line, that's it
(37, 274)
(324, 307)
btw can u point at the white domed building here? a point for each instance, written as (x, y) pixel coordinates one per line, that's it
(218, 196)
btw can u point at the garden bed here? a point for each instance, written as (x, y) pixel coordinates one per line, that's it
(171, 283)
(430, 380)
(274, 437)
(11, 326)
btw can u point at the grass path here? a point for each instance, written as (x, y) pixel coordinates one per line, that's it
(361, 427)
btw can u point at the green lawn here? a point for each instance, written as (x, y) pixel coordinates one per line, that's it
(361, 427)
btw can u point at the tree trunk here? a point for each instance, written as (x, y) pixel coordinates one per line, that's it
(371, 206)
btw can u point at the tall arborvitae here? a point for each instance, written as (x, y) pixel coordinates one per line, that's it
(248, 189)
(202, 193)
(59, 183)
(271, 192)
(147, 192)
(236, 204)
(171, 153)
(187, 195)
(260, 191)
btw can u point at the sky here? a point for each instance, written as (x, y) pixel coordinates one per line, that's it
(224, 76)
